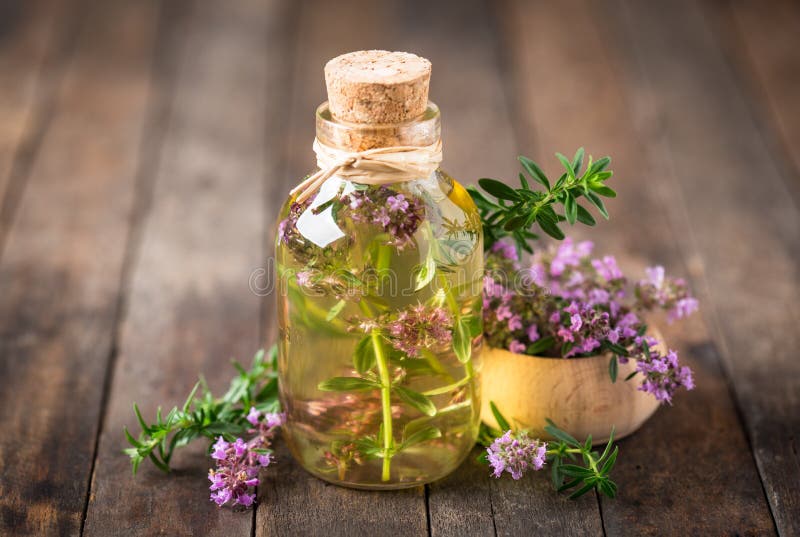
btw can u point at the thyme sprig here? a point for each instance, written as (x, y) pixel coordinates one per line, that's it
(204, 416)
(515, 210)
(564, 455)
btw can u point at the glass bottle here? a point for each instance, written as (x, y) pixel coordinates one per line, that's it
(379, 316)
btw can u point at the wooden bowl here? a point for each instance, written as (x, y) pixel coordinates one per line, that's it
(576, 393)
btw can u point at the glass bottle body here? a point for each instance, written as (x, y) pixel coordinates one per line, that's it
(380, 322)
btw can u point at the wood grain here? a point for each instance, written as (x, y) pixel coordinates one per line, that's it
(762, 44)
(60, 273)
(36, 39)
(678, 449)
(190, 308)
(744, 234)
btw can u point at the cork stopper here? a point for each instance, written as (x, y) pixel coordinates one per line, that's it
(377, 86)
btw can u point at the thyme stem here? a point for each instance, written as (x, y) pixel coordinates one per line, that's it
(386, 402)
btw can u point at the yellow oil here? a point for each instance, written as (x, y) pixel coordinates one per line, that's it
(319, 334)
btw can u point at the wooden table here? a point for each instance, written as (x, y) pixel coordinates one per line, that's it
(144, 150)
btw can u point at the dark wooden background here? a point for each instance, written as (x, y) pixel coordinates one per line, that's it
(144, 150)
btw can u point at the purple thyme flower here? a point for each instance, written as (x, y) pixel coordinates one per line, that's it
(304, 278)
(253, 416)
(238, 462)
(516, 453)
(654, 276)
(419, 327)
(399, 215)
(569, 255)
(670, 294)
(683, 308)
(503, 312)
(517, 347)
(663, 375)
(397, 203)
(607, 268)
(533, 333)
(575, 322)
(505, 250)
(220, 449)
(581, 325)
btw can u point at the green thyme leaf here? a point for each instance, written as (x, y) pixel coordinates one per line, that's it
(584, 216)
(609, 464)
(499, 189)
(597, 202)
(599, 165)
(549, 226)
(335, 310)
(564, 436)
(570, 208)
(573, 470)
(364, 355)
(604, 191)
(613, 368)
(462, 340)
(540, 345)
(577, 161)
(534, 171)
(423, 435)
(473, 323)
(347, 384)
(580, 492)
(567, 165)
(501, 421)
(608, 446)
(417, 400)
(569, 484)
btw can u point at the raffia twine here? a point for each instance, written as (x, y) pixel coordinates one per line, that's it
(378, 166)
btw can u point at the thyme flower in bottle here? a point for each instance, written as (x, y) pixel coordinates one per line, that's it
(396, 214)
(419, 327)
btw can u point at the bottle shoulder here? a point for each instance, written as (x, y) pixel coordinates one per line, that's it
(343, 213)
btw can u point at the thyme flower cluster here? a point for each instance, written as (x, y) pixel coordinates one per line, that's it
(419, 327)
(394, 213)
(238, 462)
(566, 303)
(516, 453)
(413, 328)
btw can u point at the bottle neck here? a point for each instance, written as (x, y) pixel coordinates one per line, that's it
(422, 132)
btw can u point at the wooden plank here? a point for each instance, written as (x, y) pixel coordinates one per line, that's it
(190, 307)
(60, 273)
(572, 92)
(737, 223)
(761, 42)
(291, 500)
(35, 41)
